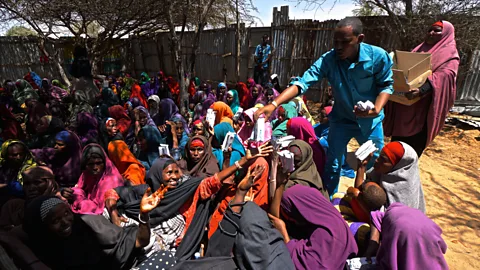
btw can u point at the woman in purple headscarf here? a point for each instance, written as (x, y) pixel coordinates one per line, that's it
(87, 128)
(320, 237)
(167, 109)
(410, 240)
(55, 94)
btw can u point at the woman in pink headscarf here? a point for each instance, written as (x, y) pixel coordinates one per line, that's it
(418, 124)
(303, 130)
(246, 130)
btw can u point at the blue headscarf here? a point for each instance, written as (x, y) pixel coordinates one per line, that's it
(238, 151)
(153, 137)
(236, 101)
(63, 136)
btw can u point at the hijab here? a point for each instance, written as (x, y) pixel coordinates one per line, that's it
(410, 240)
(118, 113)
(301, 129)
(261, 98)
(147, 88)
(235, 103)
(56, 94)
(87, 128)
(329, 239)
(224, 113)
(280, 129)
(36, 110)
(28, 162)
(169, 109)
(208, 165)
(244, 95)
(307, 173)
(153, 137)
(89, 193)
(9, 126)
(150, 121)
(403, 183)
(136, 92)
(23, 92)
(238, 151)
(131, 169)
(245, 132)
(302, 109)
(153, 111)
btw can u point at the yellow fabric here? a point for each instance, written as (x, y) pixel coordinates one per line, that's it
(28, 163)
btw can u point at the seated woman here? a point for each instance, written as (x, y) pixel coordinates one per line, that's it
(63, 159)
(148, 140)
(410, 240)
(15, 158)
(118, 113)
(128, 166)
(226, 159)
(318, 237)
(200, 129)
(176, 136)
(87, 128)
(98, 176)
(186, 197)
(301, 129)
(199, 160)
(108, 132)
(245, 132)
(418, 124)
(167, 109)
(141, 118)
(285, 113)
(223, 113)
(396, 170)
(232, 100)
(62, 239)
(47, 128)
(306, 172)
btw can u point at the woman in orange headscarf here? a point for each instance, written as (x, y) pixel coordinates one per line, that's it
(223, 113)
(129, 167)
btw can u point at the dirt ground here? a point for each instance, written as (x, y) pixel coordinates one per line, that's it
(450, 175)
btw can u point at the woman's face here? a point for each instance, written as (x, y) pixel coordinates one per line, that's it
(112, 129)
(16, 154)
(434, 35)
(197, 152)
(248, 121)
(60, 220)
(43, 125)
(222, 91)
(170, 175)
(383, 165)
(229, 99)
(35, 187)
(142, 143)
(142, 118)
(152, 104)
(95, 166)
(281, 115)
(198, 129)
(179, 129)
(255, 92)
(60, 146)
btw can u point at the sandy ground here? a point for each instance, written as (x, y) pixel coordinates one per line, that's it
(450, 175)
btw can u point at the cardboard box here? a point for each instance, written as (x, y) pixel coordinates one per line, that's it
(410, 70)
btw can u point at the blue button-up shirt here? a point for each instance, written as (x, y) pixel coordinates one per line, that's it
(352, 82)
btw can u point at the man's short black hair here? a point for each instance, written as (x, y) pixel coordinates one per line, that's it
(355, 23)
(374, 197)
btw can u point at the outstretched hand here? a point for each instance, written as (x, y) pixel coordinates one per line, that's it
(267, 110)
(150, 201)
(250, 178)
(263, 151)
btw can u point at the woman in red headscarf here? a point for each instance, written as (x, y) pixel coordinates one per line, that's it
(244, 95)
(418, 124)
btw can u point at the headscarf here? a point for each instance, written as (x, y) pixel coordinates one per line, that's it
(109, 98)
(118, 113)
(149, 119)
(328, 242)
(147, 88)
(244, 95)
(280, 129)
(208, 165)
(224, 113)
(410, 240)
(238, 151)
(136, 92)
(303, 130)
(169, 109)
(394, 152)
(251, 82)
(153, 112)
(87, 128)
(56, 94)
(153, 137)
(66, 167)
(28, 162)
(307, 173)
(403, 183)
(9, 126)
(126, 163)
(89, 193)
(57, 83)
(183, 141)
(261, 98)
(404, 121)
(246, 132)
(302, 109)
(220, 85)
(235, 103)
(35, 111)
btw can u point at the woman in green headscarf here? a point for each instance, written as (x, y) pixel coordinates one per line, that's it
(285, 113)
(23, 92)
(232, 100)
(147, 90)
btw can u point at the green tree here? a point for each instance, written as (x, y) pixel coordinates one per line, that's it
(20, 31)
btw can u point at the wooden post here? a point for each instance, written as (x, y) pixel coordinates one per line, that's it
(237, 39)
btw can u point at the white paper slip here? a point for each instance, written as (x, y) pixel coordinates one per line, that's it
(365, 150)
(211, 117)
(365, 106)
(163, 150)
(361, 264)
(287, 160)
(259, 130)
(228, 141)
(238, 114)
(282, 142)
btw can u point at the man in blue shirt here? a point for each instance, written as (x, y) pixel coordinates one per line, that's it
(263, 53)
(356, 72)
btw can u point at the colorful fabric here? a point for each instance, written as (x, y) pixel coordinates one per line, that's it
(208, 165)
(23, 92)
(302, 109)
(245, 132)
(87, 128)
(136, 92)
(88, 192)
(244, 95)
(280, 129)
(118, 113)
(169, 109)
(262, 52)
(10, 127)
(154, 139)
(327, 241)
(150, 121)
(303, 130)
(235, 103)
(126, 163)
(238, 151)
(394, 152)
(224, 113)
(56, 94)
(28, 162)
(410, 240)
(405, 121)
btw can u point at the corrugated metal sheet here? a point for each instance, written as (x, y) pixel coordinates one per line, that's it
(468, 91)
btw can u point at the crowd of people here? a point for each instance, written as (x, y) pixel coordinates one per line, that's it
(113, 175)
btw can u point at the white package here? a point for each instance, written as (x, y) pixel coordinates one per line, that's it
(287, 160)
(361, 264)
(282, 142)
(227, 143)
(163, 150)
(238, 113)
(365, 150)
(259, 130)
(211, 115)
(365, 106)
